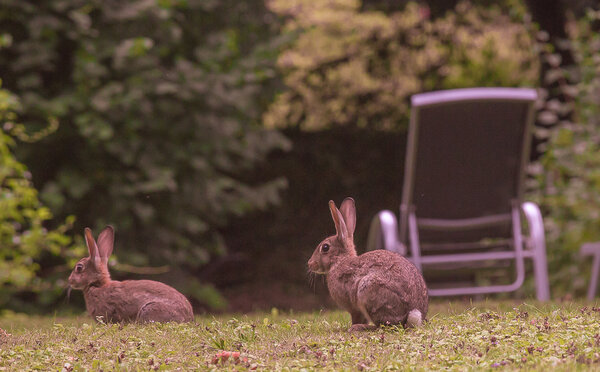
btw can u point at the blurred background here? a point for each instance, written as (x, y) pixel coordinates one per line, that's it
(212, 133)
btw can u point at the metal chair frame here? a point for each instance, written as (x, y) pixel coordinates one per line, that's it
(385, 232)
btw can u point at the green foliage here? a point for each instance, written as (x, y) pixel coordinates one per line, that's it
(159, 103)
(484, 336)
(568, 183)
(24, 240)
(350, 67)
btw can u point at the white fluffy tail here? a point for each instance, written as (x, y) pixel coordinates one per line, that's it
(415, 319)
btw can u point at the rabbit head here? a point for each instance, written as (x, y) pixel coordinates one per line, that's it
(93, 270)
(340, 245)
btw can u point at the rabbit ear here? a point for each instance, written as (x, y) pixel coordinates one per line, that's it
(349, 213)
(106, 241)
(91, 244)
(338, 220)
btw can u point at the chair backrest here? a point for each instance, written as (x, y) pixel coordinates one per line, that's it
(467, 152)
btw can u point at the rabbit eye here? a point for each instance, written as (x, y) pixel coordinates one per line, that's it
(325, 248)
(79, 268)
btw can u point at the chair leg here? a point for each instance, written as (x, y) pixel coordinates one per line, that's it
(538, 242)
(540, 267)
(594, 279)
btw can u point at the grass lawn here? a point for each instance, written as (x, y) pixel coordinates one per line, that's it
(458, 336)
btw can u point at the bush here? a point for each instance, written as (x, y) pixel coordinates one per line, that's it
(568, 182)
(24, 241)
(159, 104)
(358, 68)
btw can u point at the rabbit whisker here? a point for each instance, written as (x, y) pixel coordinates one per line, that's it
(312, 280)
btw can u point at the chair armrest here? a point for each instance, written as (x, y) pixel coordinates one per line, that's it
(383, 233)
(537, 244)
(535, 224)
(589, 249)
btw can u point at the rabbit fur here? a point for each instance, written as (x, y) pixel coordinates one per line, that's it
(126, 301)
(378, 287)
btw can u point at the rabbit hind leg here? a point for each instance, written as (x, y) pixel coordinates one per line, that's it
(358, 317)
(361, 320)
(156, 312)
(383, 305)
(367, 326)
(362, 327)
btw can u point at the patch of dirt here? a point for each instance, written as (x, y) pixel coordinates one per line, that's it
(265, 265)
(255, 296)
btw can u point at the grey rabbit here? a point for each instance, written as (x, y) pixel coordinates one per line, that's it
(126, 301)
(378, 287)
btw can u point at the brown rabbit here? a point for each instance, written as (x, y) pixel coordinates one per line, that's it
(126, 301)
(377, 287)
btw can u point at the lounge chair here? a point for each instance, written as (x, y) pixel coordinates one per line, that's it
(462, 199)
